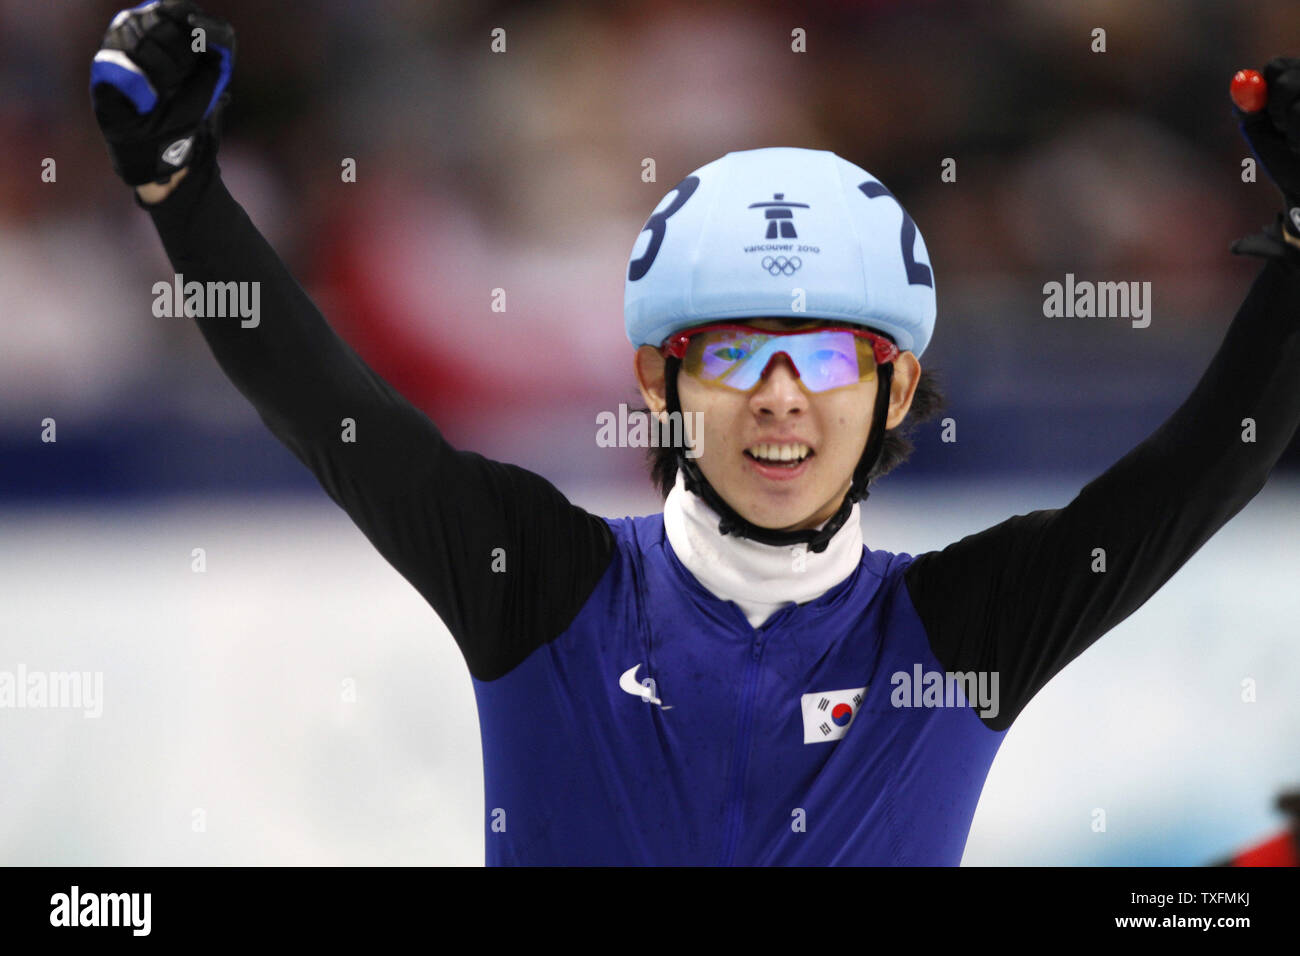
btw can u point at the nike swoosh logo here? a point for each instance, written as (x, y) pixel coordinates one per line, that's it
(175, 154)
(629, 683)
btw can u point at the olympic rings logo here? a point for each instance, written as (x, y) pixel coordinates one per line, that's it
(780, 265)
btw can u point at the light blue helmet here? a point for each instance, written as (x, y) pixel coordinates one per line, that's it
(762, 232)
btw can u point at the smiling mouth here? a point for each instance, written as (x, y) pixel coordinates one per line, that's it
(782, 455)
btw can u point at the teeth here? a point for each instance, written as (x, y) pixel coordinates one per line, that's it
(769, 452)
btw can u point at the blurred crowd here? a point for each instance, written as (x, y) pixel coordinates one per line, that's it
(522, 171)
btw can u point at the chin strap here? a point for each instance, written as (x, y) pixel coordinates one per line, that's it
(816, 539)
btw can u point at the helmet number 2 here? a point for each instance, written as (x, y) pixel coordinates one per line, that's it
(918, 273)
(658, 225)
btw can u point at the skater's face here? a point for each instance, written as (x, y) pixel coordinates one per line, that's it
(782, 456)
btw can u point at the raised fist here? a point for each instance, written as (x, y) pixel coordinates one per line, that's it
(158, 84)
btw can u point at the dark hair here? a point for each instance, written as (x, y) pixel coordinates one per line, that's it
(927, 402)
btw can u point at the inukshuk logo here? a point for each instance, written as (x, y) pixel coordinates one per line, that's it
(779, 216)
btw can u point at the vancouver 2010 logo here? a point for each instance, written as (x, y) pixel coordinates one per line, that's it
(779, 216)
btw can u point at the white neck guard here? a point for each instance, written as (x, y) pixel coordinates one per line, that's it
(760, 578)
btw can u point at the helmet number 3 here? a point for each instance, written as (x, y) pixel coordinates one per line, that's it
(658, 225)
(918, 273)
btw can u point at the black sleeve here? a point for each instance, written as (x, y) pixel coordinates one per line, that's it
(497, 551)
(1022, 598)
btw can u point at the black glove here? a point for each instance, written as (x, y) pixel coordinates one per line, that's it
(1274, 135)
(156, 100)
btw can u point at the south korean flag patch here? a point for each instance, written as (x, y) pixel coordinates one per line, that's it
(827, 715)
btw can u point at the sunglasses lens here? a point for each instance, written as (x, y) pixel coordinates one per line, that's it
(725, 357)
(735, 358)
(832, 359)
